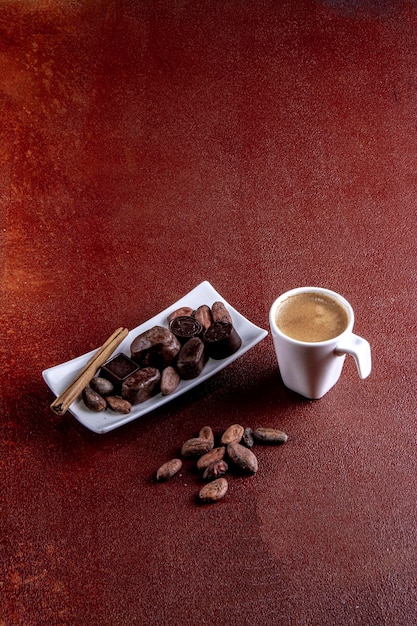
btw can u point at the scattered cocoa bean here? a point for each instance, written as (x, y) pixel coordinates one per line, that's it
(232, 434)
(103, 386)
(243, 458)
(203, 315)
(184, 310)
(214, 491)
(93, 400)
(213, 461)
(247, 438)
(220, 313)
(269, 435)
(168, 469)
(118, 404)
(196, 447)
(170, 380)
(206, 433)
(215, 469)
(216, 454)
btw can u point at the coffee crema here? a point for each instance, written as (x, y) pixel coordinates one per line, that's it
(311, 316)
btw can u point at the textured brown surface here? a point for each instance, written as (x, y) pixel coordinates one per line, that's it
(147, 146)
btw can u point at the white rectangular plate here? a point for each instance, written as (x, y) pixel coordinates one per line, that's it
(59, 377)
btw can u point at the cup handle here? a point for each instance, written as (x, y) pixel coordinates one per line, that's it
(360, 350)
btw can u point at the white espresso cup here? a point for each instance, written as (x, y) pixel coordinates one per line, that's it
(312, 332)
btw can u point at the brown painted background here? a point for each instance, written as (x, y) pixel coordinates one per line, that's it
(145, 147)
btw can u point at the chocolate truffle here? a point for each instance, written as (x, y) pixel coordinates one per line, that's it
(142, 385)
(156, 347)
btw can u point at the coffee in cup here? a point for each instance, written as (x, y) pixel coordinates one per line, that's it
(311, 316)
(312, 332)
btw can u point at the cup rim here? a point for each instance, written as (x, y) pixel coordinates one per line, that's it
(328, 292)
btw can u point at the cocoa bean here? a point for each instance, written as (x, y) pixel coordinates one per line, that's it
(118, 404)
(215, 470)
(203, 315)
(207, 433)
(232, 434)
(93, 400)
(103, 386)
(170, 380)
(184, 310)
(168, 469)
(214, 491)
(243, 458)
(196, 447)
(247, 438)
(216, 454)
(269, 435)
(220, 313)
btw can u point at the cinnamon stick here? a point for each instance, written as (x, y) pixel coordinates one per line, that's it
(61, 404)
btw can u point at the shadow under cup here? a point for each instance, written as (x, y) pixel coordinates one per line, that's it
(312, 367)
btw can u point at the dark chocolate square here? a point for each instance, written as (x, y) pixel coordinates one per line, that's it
(118, 369)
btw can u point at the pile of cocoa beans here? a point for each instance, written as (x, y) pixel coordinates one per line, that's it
(234, 449)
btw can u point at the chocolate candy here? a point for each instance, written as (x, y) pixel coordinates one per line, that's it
(191, 359)
(184, 327)
(142, 385)
(156, 347)
(221, 340)
(117, 370)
